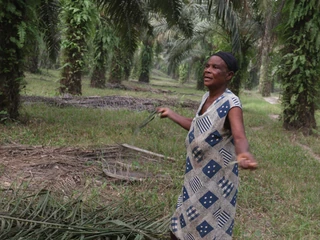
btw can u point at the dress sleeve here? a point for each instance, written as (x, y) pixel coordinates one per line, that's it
(225, 104)
(235, 102)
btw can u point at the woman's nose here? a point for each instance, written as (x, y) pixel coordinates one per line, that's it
(207, 70)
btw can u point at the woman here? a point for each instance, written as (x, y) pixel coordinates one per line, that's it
(216, 145)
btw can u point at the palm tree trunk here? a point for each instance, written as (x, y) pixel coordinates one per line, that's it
(11, 66)
(234, 86)
(98, 78)
(199, 74)
(265, 79)
(300, 73)
(127, 65)
(71, 77)
(32, 64)
(115, 76)
(75, 45)
(146, 60)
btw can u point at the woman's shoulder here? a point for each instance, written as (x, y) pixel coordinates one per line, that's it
(234, 98)
(230, 93)
(204, 96)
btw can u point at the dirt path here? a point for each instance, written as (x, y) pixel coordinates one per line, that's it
(272, 100)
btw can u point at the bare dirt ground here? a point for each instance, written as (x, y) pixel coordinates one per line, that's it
(67, 169)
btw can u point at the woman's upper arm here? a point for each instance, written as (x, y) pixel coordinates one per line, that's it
(244, 157)
(235, 118)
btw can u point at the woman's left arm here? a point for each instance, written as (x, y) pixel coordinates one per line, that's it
(244, 157)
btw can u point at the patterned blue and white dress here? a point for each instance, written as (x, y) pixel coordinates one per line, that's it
(207, 205)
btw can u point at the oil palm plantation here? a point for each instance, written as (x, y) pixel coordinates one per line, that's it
(77, 15)
(138, 14)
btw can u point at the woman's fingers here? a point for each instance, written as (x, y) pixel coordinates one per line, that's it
(247, 163)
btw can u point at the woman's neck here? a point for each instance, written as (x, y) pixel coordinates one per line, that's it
(214, 94)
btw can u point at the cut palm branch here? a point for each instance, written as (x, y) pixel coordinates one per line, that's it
(43, 216)
(146, 121)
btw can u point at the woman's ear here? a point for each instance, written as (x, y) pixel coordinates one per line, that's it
(230, 74)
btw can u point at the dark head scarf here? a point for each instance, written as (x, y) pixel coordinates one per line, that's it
(229, 59)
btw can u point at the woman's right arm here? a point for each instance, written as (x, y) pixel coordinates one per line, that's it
(181, 120)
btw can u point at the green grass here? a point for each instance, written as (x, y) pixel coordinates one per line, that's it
(47, 84)
(280, 200)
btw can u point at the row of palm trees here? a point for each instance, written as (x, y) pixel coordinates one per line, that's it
(118, 35)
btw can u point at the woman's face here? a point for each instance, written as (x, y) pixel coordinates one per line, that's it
(216, 73)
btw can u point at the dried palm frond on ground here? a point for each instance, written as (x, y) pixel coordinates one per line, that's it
(62, 208)
(61, 169)
(111, 102)
(42, 216)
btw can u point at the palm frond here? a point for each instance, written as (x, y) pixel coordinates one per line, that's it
(43, 216)
(170, 9)
(224, 11)
(49, 19)
(131, 16)
(128, 17)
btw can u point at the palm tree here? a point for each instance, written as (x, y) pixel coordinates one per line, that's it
(116, 71)
(11, 62)
(146, 57)
(249, 34)
(271, 11)
(182, 49)
(103, 42)
(79, 17)
(300, 66)
(43, 35)
(98, 75)
(18, 24)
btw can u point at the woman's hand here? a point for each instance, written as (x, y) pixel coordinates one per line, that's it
(164, 112)
(246, 161)
(181, 120)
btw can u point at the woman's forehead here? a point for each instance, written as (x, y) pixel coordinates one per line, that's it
(216, 60)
